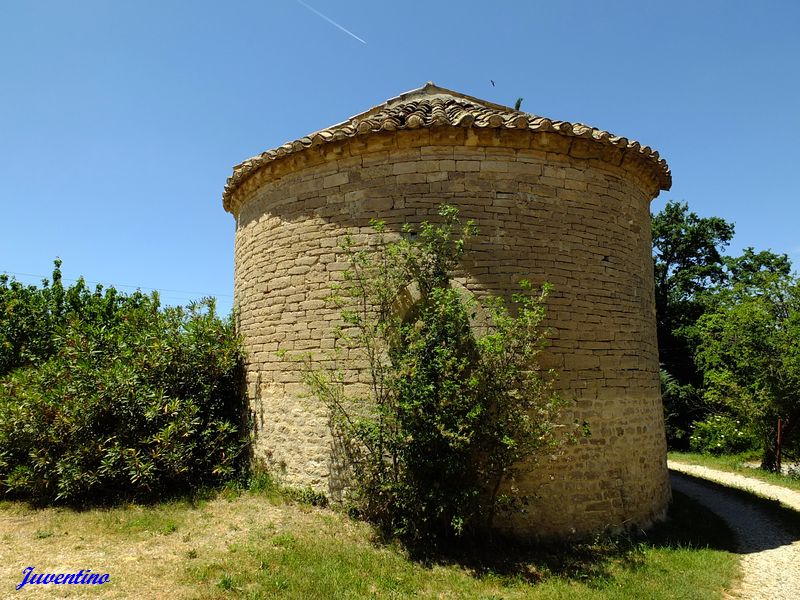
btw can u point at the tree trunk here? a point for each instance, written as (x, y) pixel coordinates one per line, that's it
(769, 460)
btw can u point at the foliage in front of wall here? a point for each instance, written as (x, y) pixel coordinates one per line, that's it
(105, 395)
(455, 396)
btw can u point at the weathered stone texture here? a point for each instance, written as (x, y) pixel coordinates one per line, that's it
(548, 210)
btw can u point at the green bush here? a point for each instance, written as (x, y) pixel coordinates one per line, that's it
(683, 405)
(721, 434)
(105, 395)
(456, 400)
(306, 495)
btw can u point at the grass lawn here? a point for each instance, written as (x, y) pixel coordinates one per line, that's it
(734, 463)
(257, 545)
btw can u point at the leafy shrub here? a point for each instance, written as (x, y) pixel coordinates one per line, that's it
(306, 495)
(721, 434)
(105, 395)
(28, 318)
(683, 405)
(455, 401)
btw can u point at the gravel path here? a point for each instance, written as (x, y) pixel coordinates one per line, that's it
(787, 497)
(770, 552)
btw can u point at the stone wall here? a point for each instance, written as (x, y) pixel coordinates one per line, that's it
(549, 208)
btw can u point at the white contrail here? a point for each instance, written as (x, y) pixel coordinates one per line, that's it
(331, 21)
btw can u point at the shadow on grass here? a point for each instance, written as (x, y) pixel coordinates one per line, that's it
(688, 525)
(759, 523)
(192, 497)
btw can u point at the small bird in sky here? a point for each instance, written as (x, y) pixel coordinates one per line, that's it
(492, 80)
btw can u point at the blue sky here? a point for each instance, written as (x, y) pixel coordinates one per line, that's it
(120, 121)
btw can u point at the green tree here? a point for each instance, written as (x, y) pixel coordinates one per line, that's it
(749, 351)
(688, 262)
(754, 269)
(455, 400)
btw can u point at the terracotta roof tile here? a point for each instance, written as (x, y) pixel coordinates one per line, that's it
(432, 106)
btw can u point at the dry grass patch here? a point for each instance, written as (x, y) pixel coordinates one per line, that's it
(144, 549)
(248, 545)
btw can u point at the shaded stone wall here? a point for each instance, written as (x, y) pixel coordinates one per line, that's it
(549, 208)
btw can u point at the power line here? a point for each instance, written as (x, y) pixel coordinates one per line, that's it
(135, 287)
